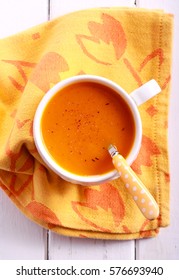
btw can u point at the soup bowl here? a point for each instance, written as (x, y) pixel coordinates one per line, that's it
(83, 106)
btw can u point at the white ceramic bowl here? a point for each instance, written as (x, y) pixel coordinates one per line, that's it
(135, 98)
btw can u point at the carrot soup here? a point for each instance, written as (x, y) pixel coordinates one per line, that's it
(81, 121)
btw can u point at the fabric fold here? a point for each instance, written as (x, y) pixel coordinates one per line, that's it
(129, 46)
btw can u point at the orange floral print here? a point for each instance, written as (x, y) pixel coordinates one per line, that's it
(109, 31)
(20, 65)
(48, 69)
(148, 149)
(42, 212)
(107, 197)
(18, 185)
(152, 110)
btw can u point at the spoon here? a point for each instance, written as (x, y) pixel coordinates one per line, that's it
(140, 194)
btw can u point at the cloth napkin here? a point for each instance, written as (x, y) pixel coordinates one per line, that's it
(127, 45)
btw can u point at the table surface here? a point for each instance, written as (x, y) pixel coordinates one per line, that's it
(22, 239)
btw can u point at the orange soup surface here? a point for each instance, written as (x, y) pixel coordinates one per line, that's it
(80, 122)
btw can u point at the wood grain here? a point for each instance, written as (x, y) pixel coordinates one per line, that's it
(16, 16)
(58, 8)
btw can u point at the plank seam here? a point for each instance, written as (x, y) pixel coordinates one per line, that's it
(49, 9)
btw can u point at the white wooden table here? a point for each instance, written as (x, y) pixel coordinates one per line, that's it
(23, 239)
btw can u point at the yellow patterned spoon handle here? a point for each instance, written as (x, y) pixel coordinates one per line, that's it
(135, 187)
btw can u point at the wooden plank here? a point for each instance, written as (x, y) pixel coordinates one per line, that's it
(65, 248)
(19, 237)
(166, 245)
(19, 15)
(61, 247)
(60, 8)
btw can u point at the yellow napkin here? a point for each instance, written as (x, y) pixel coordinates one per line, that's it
(128, 46)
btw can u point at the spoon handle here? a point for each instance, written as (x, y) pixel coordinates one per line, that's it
(142, 197)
